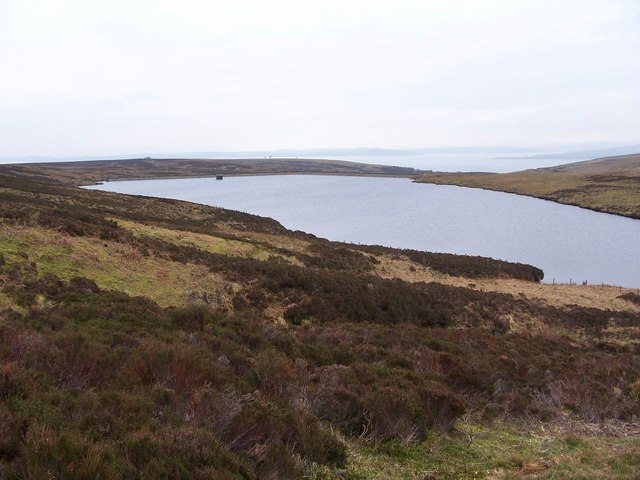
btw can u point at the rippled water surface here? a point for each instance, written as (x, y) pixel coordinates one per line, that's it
(568, 243)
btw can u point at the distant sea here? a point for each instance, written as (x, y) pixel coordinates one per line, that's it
(462, 162)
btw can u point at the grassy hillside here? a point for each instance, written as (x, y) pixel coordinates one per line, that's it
(90, 172)
(149, 338)
(610, 185)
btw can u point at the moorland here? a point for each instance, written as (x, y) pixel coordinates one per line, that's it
(153, 338)
(610, 185)
(95, 171)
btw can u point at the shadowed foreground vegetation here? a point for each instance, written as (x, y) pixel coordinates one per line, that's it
(610, 185)
(148, 338)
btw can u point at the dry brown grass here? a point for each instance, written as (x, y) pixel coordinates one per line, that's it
(607, 185)
(558, 295)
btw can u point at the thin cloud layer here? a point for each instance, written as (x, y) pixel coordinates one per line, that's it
(109, 77)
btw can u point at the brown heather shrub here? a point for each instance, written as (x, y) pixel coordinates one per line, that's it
(275, 373)
(634, 390)
(326, 255)
(181, 453)
(192, 317)
(79, 363)
(24, 348)
(110, 414)
(69, 455)
(256, 428)
(261, 421)
(181, 368)
(631, 297)
(541, 376)
(380, 403)
(214, 408)
(83, 285)
(69, 359)
(15, 382)
(463, 265)
(11, 433)
(426, 361)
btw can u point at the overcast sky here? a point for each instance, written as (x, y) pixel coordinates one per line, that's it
(108, 77)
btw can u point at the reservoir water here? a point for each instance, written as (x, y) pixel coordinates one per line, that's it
(568, 243)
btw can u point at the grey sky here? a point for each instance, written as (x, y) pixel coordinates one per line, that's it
(81, 77)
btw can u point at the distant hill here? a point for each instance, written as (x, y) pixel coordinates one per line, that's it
(89, 172)
(610, 184)
(629, 164)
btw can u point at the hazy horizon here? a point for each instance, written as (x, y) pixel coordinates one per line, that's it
(462, 159)
(631, 147)
(114, 78)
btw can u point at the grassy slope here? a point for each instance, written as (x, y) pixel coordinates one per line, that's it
(610, 185)
(142, 338)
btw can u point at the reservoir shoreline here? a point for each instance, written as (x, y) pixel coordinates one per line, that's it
(567, 244)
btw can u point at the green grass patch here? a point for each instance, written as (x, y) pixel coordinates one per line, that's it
(208, 243)
(111, 265)
(10, 245)
(501, 452)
